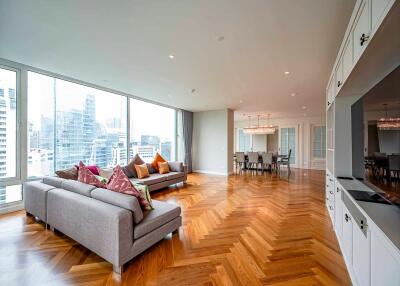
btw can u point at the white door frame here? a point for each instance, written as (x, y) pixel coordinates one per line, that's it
(297, 151)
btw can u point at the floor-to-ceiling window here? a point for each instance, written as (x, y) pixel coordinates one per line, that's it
(152, 129)
(244, 141)
(69, 122)
(8, 136)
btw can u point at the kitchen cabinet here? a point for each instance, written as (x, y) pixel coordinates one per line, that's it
(347, 61)
(361, 31)
(339, 75)
(338, 210)
(378, 8)
(347, 236)
(361, 254)
(330, 93)
(385, 260)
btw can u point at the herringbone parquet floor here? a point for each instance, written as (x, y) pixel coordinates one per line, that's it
(237, 230)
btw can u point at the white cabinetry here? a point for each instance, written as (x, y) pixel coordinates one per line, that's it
(385, 260)
(361, 255)
(361, 30)
(347, 58)
(378, 8)
(339, 75)
(347, 236)
(338, 211)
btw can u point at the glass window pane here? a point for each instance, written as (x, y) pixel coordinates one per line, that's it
(69, 123)
(8, 123)
(152, 130)
(41, 92)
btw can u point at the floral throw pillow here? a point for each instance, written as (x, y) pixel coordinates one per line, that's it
(87, 177)
(120, 183)
(144, 190)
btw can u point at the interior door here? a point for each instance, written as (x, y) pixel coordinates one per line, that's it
(288, 138)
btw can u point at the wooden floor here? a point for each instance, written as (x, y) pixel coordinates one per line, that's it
(240, 230)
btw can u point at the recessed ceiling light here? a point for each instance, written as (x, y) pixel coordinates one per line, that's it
(304, 107)
(193, 90)
(220, 38)
(240, 101)
(171, 56)
(292, 94)
(286, 72)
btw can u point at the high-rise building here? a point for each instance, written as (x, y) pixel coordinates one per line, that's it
(166, 150)
(3, 135)
(13, 98)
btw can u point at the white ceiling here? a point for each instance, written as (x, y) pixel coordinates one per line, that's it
(126, 47)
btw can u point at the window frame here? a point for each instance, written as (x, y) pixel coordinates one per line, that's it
(22, 121)
(17, 179)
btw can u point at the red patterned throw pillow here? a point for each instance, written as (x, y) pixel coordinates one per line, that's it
(87, 177)
(120, 183)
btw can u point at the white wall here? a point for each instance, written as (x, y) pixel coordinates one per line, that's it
(213, 141)
(304, 126)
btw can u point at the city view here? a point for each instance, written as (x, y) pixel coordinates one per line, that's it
(86, 127)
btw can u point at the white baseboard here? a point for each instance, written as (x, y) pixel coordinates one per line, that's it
(212, 173)
(13, 207)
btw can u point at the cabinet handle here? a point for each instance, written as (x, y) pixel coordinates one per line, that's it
(331, 192)
(339, 83)
(363, 39)
(331, 208)
(346, 217)
(329, 103)
(337, 190)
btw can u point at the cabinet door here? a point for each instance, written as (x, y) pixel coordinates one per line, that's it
(347, 58)
(339, 75)
(361, 30)
(385, 261)
(361, 255)
(347, 236)
(338, 211)
(330, 93)
(377, 9)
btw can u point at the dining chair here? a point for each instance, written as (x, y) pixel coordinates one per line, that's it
(240, 161)
(394, 166)
(266, 160)
(285, 161)
(253, 160)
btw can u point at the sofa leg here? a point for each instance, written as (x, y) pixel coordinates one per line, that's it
(52, 228)
(118, 269)
(176, 231)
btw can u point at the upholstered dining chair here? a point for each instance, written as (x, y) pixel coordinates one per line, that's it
(240, 161)
(394, 166)
(285, 161)
(253, 160)
(266, 161)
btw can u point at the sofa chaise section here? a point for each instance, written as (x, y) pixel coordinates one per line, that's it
(110, 224)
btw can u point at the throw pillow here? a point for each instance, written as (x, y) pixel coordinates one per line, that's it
(87, 177)
(144, 190)
(129, 169)
(70, 174)
(120, 183)
(163, 167)
(106, 173)
(94, 169)
(102, 179)
(142, 171)
(157, 159)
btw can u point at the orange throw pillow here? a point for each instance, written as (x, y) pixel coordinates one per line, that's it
(142, 171)
(157, 159)
(163, 168)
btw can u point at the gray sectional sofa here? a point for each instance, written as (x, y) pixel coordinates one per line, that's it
(108, 223)
(156, 181)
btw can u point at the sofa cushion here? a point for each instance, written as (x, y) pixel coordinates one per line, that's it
(142, 171)
(53, 181)
(120, 200)
(163, 213)
(163, 168)
(70, 174)
(120, 183)
(129, 170)
(175, 175)
(157, 159)
(77, 187)
(153, 179)
(175, 166)
(85, 175)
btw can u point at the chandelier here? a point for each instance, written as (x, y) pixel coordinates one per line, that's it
(388, 123)
(264, 129)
